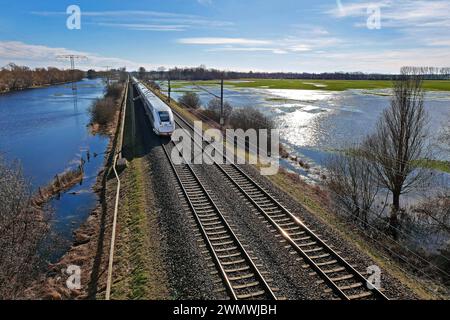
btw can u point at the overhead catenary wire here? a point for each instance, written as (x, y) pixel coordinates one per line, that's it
(399, 230)
(400, 257)
(402, 246)
(376, 215)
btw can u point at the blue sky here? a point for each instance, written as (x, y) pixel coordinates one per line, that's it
(264, 35)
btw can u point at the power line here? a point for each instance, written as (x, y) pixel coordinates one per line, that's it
(72, 58)
(205, 90)
(376, 216)
(400, 245)
(107, 73)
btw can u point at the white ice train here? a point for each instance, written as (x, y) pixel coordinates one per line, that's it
(159, 113)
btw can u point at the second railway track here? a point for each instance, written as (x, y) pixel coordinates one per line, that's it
(340, 277)
(241, 277)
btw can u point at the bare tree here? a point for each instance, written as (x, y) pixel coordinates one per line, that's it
(190, 100)
(213, 110)
(23, 229)
(353, 182)
(250, 118)
(436, 211)
(142, 72)
(14, 77)
(399, 140)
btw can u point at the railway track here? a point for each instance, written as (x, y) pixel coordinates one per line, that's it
(339, 276)
(240, 275)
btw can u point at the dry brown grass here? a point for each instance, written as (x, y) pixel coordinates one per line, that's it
(61, 183)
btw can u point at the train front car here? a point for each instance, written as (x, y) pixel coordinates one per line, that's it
(164, 123)
(159, 113)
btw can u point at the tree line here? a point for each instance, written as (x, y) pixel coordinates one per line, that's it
(203, 73)
(14, 77)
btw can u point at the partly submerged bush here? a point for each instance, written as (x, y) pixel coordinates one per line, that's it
(102, 111)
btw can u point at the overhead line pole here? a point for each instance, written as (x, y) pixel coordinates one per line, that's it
(72, 58)
(170, 89)
(107, 74)
(221, 102)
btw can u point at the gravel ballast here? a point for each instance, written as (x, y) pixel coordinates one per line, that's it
(288, 271)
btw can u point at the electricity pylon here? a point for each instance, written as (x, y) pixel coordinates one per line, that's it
(72, 58)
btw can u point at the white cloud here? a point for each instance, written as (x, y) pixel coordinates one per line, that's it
(381, 61)
(221, 41)
(42, 56)
(423, 23)
(119, 13)
(145, 27)
(248, 49)
(285, 45)
(300, 48)
(399, 13)
(156, 20)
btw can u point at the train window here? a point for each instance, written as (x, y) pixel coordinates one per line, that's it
(164, 116)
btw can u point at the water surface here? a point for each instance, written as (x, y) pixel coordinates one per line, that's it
(48, 133)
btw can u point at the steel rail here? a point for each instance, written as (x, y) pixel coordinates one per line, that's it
(351, 270)
(217, 261)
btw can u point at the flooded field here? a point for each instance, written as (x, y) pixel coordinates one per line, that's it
(314, 123)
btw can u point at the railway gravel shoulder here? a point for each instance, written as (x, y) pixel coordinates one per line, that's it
(392, 287)
(185, 263)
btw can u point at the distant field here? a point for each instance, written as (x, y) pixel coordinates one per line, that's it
(331, 85)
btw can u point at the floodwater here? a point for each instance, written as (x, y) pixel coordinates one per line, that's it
(48, 134)
(314, 123)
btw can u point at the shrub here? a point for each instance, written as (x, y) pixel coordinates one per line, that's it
(23, 229)
(114, 91)
(213, 110)
(250, 118)
(190, 100)
(102, 111)
(154, 85)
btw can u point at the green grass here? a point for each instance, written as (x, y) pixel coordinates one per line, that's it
(131, 251)
(438, 165)
(305, 84)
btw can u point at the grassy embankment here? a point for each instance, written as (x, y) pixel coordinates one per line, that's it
(314, 201)
(329, 85)
(139, 273)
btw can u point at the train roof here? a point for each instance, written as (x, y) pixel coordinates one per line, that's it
(156, 102)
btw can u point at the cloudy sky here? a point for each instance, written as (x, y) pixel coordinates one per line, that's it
(266, 35)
